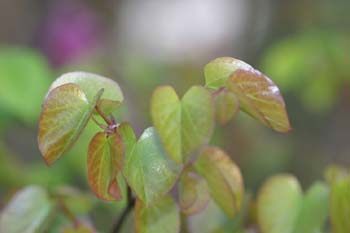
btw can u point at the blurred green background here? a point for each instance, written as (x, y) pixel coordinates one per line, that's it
(303, 45)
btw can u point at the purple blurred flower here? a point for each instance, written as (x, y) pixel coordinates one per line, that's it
(70, 30)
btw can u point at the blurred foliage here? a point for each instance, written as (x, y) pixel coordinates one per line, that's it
(314, 66)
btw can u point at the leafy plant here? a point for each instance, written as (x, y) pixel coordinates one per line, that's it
(171, 162)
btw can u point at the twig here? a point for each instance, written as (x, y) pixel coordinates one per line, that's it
(105, 118)
(131, 203)
(68, 213)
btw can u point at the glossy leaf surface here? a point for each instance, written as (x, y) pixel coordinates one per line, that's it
(226, 106)
(223, 177)
(65, 113)
(193, 192)
(27, 212)
(182, 125)
(147, 168)
(260, 98)
(90, 84)
(163, 216)
(279, 202)
(314, 211)
(105, 159)
(219, 70)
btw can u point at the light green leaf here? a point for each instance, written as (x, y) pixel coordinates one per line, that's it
(314, 210)
(183, 125)
(219, 70)
(193, 192)
(90, 84)
(226, 106)
(66, 111)
(105, 159)
(224, 179)
(279, 203)
(163, 216)
(27, 212)
(340, 202)
(147, 168)
(25, 77)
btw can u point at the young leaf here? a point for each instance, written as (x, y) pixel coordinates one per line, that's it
(65, 113)
(193, 192)
(90, 84)
(224, 179)
(314, 211)
(260, 97)
(219, 70)
(105, 159)
(147, 168)
(340, 202)
(226, 106)
(182, 125)
(163, 216)
(278, 205)
(28, 211)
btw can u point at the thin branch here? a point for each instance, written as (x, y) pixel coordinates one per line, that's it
(105, 118)
(68, 213)
(130, 205)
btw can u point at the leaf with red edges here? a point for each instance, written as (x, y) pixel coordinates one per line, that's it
(105, 159)
(65, 113)
(193, 192)
(260, 98)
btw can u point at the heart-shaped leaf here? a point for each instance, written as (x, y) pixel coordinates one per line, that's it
(223, 177)
(147, 168)
(28, 211)
(314, 210)
(65, 113)
(163, 216)
(258, 95)
(182, 125)
(278, 205)
(260, 98)
(219, 70)
(226, 106)
(105, 158)
(90, 84)
(193, 192)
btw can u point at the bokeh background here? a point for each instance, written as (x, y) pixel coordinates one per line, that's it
(303, 45)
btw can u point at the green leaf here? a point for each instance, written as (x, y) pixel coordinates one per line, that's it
(226, 106)
(182, 125)
(90, 84)
(278, 205)
(314, 211)
(28, 211)
(224, 179)
(193, 192)
(25, 78)
(258, 95)
(219, 70)
(340, 202)
(147, 168)
(163, 216)
(260, 98)
(105, 159)
(65, 113)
